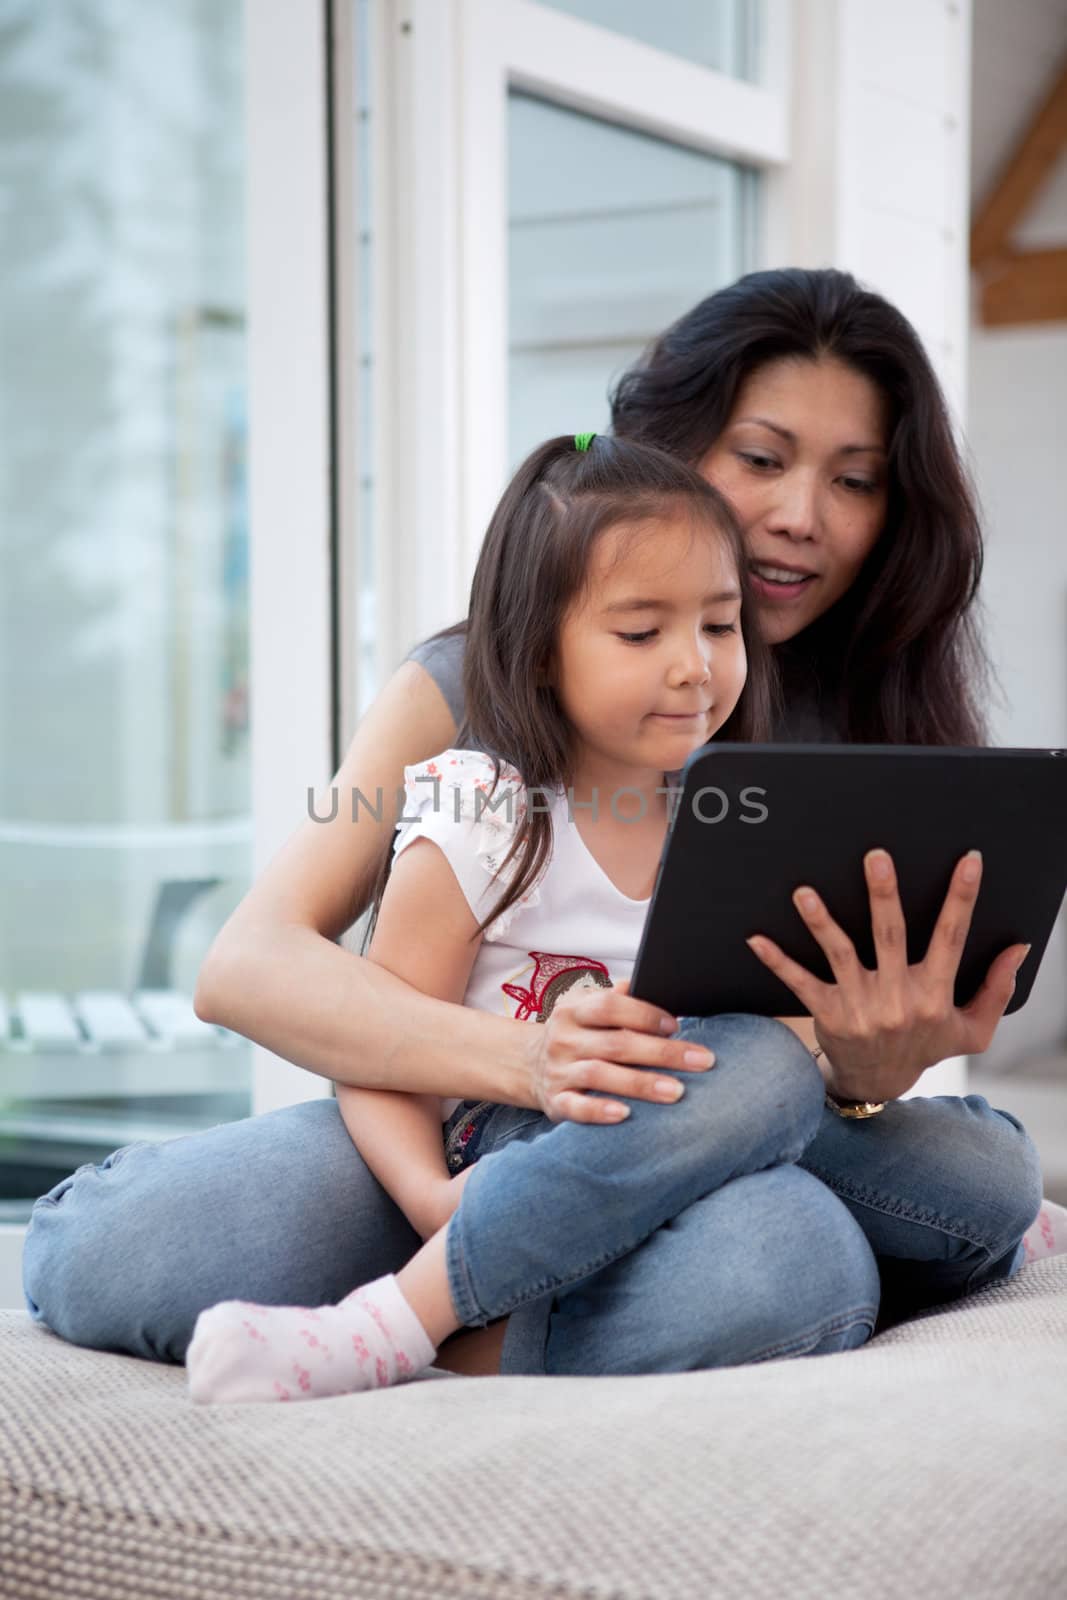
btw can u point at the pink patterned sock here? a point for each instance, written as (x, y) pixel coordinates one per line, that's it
(1047, 1234)
(241, 1351)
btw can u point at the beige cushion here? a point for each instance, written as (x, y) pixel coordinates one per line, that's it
(931, 1462)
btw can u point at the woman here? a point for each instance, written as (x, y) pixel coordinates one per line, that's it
(811, 404)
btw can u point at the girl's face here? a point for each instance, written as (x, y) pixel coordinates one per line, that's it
(803, 459)
(650, 660)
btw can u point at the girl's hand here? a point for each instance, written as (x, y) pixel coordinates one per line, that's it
(606, 1040)
(882, 1029)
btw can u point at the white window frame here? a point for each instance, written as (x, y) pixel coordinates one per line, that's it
(453, 63)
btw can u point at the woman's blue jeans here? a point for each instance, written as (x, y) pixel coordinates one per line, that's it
(743, 1223)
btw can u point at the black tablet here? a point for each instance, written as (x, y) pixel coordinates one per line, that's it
(754, 822)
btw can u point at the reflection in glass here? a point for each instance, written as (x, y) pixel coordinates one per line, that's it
(124, 689)
(713, 33)
(612, 235)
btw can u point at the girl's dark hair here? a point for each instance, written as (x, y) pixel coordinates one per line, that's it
(534, 563)
(898, 659)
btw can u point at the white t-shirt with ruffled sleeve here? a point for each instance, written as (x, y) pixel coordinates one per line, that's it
(571, 929)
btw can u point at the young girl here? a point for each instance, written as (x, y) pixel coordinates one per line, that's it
(606, 644)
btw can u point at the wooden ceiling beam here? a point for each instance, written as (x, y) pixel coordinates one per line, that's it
(1029, 286)
(1030, 164)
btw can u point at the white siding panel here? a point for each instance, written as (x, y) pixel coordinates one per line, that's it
(906, 44)
(883, 143)
(907, 175)
(908, 262)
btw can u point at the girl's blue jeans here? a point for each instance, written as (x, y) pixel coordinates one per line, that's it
(743, 1223)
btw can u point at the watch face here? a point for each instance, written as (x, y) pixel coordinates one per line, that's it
(855, 1108)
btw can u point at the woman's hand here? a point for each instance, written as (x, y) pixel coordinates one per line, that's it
(606, 1040)
(881, 1029)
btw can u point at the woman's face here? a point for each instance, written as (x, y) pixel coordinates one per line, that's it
(803, 459)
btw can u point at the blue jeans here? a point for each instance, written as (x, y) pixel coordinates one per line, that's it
(743, 1223)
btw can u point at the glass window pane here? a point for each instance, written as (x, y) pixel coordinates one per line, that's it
(714, 33)
(612, 235)
(125, 832)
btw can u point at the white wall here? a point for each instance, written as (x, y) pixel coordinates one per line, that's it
(1016, 403)
(878, 184)
(1018, 398)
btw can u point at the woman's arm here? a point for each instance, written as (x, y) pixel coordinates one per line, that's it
(275, 973)
(399, 1135)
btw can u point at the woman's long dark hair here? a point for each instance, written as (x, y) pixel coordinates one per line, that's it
(534, 564)
(899, 658)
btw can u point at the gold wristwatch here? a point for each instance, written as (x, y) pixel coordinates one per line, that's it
(853, 1109)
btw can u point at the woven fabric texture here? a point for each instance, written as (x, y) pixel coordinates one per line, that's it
(931, 1462)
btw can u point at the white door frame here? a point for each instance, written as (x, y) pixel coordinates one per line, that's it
(289, 434)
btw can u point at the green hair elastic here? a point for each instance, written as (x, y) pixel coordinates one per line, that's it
(582, 441)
